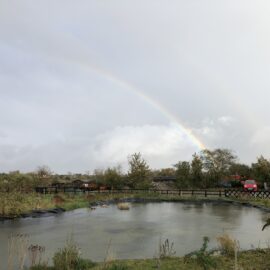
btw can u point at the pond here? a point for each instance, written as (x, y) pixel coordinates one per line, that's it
(136, 233)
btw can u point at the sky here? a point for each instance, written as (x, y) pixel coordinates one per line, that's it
(84, 84)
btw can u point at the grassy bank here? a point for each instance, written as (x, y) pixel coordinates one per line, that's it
(247, 260)
(15, 204)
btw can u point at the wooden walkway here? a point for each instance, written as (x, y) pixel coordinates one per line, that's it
(234, 193)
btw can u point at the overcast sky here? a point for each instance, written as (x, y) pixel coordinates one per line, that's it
(84, 84)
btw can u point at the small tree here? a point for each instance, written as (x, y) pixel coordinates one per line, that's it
(99, 176)
(139, 171)
(197, 177)
(43, 171)
(261, 169)
(44, 174)
(217, 163)
(240, 169)
(113, 177)
(182, 174)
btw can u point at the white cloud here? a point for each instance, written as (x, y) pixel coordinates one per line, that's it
(226, 120)
(158, 144)
(161, 146)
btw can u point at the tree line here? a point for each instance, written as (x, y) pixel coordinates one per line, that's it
(206, 169)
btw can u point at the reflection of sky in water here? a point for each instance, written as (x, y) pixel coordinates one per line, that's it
(136, 233)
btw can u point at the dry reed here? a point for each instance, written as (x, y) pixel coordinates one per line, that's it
(123, 206)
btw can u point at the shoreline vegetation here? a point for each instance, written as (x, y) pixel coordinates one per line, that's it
(227, 255)
(19, 205)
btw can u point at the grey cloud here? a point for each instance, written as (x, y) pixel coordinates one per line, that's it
(199, 60)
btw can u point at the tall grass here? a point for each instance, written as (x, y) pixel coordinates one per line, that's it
(17, 251)
(227, 244)
(14, 204)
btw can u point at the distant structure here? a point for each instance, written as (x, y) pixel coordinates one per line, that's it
(164, 179)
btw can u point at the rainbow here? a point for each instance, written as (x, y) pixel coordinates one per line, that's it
(149, 100)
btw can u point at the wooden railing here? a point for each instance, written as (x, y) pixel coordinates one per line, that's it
(235, 193)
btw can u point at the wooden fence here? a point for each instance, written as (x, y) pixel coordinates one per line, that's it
(235, 193)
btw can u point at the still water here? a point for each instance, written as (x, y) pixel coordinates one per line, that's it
(136, 233)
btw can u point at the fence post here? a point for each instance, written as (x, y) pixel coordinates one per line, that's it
(205, 193)
(219, 193)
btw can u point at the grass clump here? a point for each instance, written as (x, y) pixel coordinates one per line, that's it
(227, 244)
(123, 206)
(68, 258)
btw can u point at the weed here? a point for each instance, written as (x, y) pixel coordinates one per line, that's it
(35, 254)
(203, 257)
(166, 249)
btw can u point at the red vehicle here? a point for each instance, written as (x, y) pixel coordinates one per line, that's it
(250, 185)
